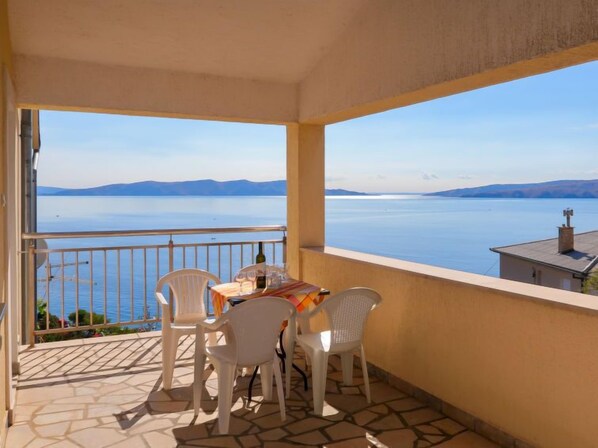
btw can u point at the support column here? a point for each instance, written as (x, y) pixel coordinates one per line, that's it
(305, 191)
(7, 109)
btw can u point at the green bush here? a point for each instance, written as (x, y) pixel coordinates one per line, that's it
(82, 317)
(590, 285)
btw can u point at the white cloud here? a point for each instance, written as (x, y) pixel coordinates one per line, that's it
(465, 176)
(429, 176)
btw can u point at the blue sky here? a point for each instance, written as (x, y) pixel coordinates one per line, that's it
(531, 130)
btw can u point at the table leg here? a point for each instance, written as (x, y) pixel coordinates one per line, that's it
(283, 356)
(251, 384)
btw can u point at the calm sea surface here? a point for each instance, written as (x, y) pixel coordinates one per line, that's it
(449, 232)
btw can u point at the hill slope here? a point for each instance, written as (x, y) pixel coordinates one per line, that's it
(46, 191)
(553, 189)
(204, 187)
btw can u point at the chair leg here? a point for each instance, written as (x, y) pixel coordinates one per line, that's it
(347, 367)
(199, 365)
(280, 392)
(303, 325)
(170, 342)
(266, 377)
(319, 373)
(289, 351)
(226, 378)
(366, 377)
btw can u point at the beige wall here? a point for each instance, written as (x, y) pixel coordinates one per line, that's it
(5, 47)
(400, 52)
(3, 258)
(305, 191)
(46, 83)
(5, 70)
(512, 268)
(13, 226)
(520, 357)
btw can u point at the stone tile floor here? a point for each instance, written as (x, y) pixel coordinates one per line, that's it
(106, 392)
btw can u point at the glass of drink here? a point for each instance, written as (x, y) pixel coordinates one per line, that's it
(273, 279)
(240, 279)
(284, 276)
(251, 276)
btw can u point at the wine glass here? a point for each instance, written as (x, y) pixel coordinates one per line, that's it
(285, 273)
(273, 278)
(240, 279)
(251, 276)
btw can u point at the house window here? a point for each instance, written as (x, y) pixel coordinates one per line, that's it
(566, 284)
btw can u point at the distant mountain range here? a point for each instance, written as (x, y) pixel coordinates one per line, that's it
(204, 187)
(554, 189)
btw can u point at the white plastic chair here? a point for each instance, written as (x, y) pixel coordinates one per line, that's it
(188, 288)
(346, 313)
(253, 329)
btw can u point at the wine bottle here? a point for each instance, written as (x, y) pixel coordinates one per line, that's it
(260, 261)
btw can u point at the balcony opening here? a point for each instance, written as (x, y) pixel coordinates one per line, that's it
(124, 200)
(532, 130)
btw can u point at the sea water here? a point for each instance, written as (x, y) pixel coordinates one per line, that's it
(455, 233)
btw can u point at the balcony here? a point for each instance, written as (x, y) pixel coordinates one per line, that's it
(450, 353)
(515, 362)
(107, 392)
(103, 391)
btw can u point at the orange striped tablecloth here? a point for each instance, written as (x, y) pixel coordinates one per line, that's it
(302, 295)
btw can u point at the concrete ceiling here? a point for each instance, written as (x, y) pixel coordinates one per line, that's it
(269, 40)
(283, 61)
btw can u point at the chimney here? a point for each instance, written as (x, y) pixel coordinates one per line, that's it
(566, 233)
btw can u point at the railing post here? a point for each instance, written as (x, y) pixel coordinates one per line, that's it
(32, 299)
(170, 269)
(284, 248)
(170, 254)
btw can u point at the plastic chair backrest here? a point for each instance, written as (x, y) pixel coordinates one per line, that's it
(256, 326)
(347, 314)
(188, 288)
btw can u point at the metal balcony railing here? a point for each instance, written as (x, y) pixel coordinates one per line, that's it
(86, 282)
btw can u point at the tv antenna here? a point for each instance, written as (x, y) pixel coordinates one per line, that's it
(54, 271)
(567, 213)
